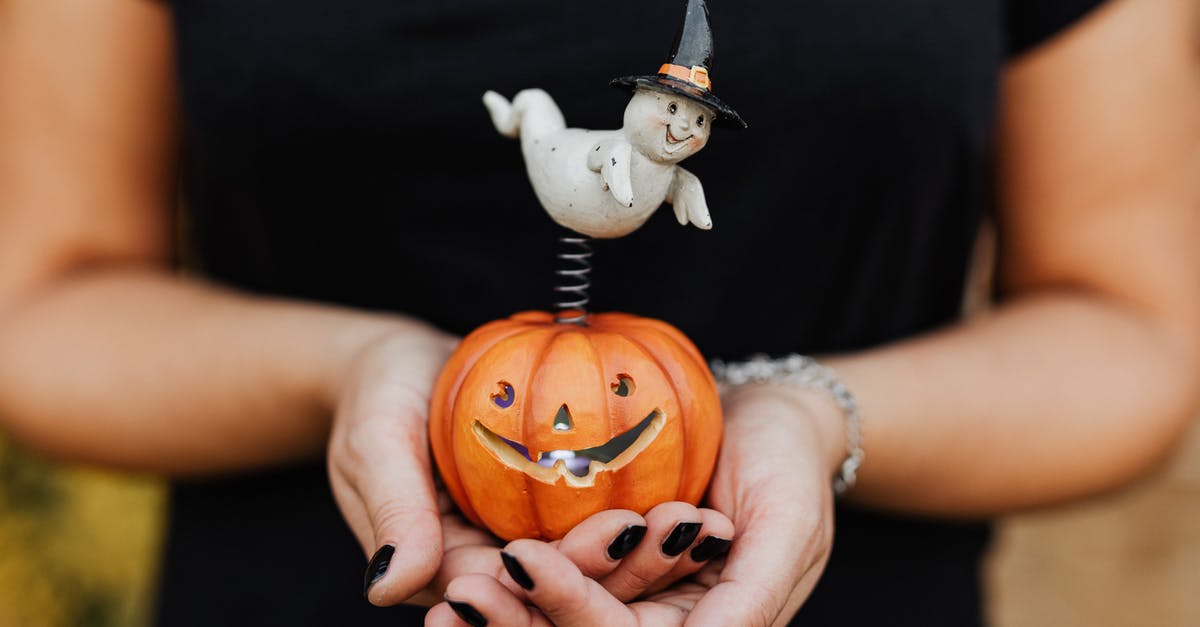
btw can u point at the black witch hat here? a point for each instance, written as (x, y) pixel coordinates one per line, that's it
(686, 71)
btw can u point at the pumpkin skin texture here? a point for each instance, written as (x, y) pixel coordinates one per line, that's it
(536, 425)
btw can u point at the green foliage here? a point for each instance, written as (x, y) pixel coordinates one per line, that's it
(78, 546)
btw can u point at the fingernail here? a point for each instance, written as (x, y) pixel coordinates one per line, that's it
(681, 538)
(378, 567)
(709, 548)
(516, 571)
(468, 613)
(626, 542)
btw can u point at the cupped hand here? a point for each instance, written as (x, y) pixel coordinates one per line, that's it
(382, 480)
(379, 465)
(628, 554)
(772, 479)
(625, 552)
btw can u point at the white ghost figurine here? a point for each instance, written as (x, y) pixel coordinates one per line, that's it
(608, 183)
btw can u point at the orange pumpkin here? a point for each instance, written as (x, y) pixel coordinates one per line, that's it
(535, 425)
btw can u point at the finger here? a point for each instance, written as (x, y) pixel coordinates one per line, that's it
(458, 562)
(384, 462)
(442, 615)
(597, 544)
(457, 531)
(559, 590)
(465, 549)
(712, 542)
(479, 600)
(714, 609)
(671, 529)
(776, 559)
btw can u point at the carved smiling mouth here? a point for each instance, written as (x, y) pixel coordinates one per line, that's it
(578, 467)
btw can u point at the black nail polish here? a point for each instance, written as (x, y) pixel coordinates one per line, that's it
(709, 548)
(681, 538)
(378, 567)
(516, 571)
(468, 613)
(626, 542)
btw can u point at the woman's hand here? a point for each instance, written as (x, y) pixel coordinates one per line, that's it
(625, 552)
(383, 482)
(772, 479)
(379, 464)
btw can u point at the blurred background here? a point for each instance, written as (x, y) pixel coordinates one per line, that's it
(78, 547)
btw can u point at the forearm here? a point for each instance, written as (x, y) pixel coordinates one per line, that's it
(1047, 398)
(138, 368)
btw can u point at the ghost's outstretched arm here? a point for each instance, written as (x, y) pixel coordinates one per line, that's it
(686, 196)
(611, 158)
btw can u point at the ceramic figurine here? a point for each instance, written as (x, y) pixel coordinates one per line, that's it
(542, 419)
(536, 424)
(606, 184)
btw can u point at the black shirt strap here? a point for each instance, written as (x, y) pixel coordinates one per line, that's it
(1032, 22)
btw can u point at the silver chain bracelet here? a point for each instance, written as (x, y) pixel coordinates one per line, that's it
(804, 371)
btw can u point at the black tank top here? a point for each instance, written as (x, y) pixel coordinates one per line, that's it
(340, 152)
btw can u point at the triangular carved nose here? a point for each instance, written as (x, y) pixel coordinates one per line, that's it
(562, 420)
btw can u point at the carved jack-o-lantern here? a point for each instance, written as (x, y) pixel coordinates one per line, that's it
(536, 425)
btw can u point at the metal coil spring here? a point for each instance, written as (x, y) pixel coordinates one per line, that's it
(579, 253)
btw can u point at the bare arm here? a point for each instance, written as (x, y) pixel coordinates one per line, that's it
(1088, 370)
(105, 355)
(135, 368)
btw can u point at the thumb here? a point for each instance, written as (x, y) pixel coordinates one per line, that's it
(381, 475)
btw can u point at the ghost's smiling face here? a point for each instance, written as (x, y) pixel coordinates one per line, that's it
(666, 127)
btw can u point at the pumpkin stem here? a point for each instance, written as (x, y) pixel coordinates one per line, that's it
(572, 309)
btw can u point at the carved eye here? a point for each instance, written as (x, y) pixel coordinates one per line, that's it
(700, 121)
(505, 397)
(671, 108)
(624, 385)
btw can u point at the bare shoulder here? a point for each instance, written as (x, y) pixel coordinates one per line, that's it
(1097, 160)
(87, 126)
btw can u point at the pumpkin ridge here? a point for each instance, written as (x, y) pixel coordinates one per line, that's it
(552, 332)
(676, 336)
(615, 489)
(594, 357)
(519, 329)
(674, 387)
(690, 348)
(604, 384)
(449, 402)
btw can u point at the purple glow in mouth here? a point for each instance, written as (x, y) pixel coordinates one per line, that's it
(517, 446)
(577, 464)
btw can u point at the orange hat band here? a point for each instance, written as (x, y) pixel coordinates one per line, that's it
(696, 75)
